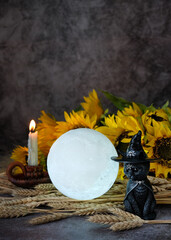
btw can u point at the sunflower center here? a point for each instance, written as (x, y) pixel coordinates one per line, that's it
(162, 148)
(157, 118)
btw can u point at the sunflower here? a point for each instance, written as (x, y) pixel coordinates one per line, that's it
(159, 170)
(120, 131)
(121, 173)
(159, 141)
(46, 132)
(92, 105)
(111, 129)
(131, 125)
(132, 110)
(159, 115)
(19, 154)
(159, 146)
(75, 120)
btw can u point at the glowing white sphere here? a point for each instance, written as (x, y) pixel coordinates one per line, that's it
(80, 166)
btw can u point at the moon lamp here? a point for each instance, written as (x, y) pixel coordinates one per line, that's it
(80, 166)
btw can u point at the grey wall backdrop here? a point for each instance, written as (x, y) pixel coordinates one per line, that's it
(53, 52)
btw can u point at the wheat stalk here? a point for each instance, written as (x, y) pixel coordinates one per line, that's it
(5, 182)
(48, 218)
(67, 205)
(124, 214)
(117, 198)
(25, 192)
(158, 189)
(33, 204)
(13, 211)
(164, 194)
(158, 181)
(90, 211)
(3, 174)
(16, 202)
(5, 191)
(163, 201)
(116, 189)
(45, 187)
(28, 199)
(158, 221)
(126, 225)
(121, 181)
(105, 219)
(166, 186)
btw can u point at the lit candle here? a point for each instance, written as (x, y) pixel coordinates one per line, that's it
(32, 145)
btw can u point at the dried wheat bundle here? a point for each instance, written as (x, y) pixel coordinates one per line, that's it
(107, 209)
(122, 220)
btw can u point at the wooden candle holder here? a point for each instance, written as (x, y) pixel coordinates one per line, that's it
(30, 176)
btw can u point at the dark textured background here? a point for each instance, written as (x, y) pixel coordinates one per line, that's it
(53, 52)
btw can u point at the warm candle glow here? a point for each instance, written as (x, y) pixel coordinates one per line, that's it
(32, 125)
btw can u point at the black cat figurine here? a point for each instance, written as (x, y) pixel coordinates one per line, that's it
(139, 198)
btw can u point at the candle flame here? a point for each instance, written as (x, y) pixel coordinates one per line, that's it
(32, 126)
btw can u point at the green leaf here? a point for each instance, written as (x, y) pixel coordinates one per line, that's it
(151, 108)
(43, 160)
(79, 108)
(118, 102)
(106, 111)
(164, 107)
(121, 103)
(142, 107)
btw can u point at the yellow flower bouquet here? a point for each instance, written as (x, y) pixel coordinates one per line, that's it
(154, 123)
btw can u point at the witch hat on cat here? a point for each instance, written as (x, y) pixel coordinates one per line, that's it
(134, 153)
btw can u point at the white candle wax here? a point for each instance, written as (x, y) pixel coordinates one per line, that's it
(32, 149)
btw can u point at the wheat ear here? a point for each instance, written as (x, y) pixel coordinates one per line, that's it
(105, 219)
(13, 211)
(48, 218)
(166, 186)
(126, 225)
(45, 187)
(90, 211)
(124, 214)
(157, 189)
(158, 181)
